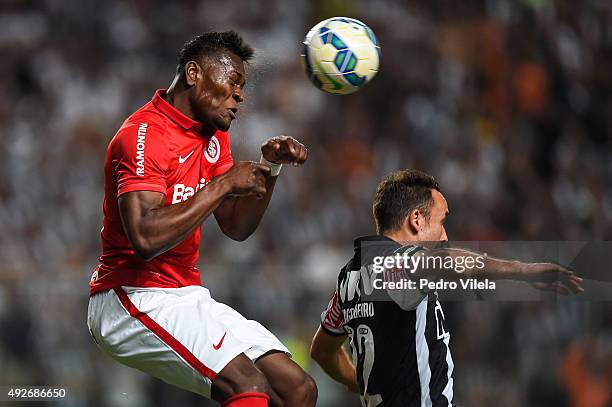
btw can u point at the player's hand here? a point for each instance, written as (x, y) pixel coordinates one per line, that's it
(552, 277)
(284, 150)
(247, 178)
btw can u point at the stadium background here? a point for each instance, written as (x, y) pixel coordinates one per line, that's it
(507, 103)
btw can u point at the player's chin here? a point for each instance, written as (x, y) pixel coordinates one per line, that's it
(223, 122)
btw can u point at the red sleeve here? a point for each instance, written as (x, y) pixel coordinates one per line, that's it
(332, 318)
(141, 158)
(225, 161)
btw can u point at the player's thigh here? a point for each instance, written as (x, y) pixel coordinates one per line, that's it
(259, 338)
(169, 334)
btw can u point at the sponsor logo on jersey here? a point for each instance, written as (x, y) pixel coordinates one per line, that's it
(213, 151)
(140, 148)
(183, 192)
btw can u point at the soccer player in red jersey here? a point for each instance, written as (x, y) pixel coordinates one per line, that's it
(168, 168)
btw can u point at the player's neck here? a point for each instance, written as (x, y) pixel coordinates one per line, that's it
(401, 236)
(178, 98)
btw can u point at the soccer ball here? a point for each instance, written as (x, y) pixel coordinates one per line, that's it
(340, 55)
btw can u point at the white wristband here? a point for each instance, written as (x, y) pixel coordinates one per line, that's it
(274, 167)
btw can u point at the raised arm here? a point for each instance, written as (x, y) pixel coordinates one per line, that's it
(239, 216)
(153, 228)
(543, 276)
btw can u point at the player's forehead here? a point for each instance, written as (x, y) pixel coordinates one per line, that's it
(440, 206)
(225, 62)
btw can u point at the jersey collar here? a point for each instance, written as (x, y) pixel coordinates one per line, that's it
(173, 113)
(372, 239)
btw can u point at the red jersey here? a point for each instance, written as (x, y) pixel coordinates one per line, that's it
(158, 149)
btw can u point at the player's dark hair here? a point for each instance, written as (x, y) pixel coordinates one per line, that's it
(210, 43)
(398, 194)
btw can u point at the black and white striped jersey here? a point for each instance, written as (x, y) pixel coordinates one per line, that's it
(399, 340)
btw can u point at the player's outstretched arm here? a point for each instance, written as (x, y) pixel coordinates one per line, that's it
(543, 276)
(153, 228)
(239, 216)
(328, 352)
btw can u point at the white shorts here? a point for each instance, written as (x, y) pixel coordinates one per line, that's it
(179, 335)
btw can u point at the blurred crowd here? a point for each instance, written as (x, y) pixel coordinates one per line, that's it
(507, 103)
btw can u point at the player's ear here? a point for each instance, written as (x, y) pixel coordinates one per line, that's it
(414, 221)
(192, 71)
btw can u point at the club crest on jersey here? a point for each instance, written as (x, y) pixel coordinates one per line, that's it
(213, 151)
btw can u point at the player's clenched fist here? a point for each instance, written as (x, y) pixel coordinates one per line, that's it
(247, 178)
(284, 150)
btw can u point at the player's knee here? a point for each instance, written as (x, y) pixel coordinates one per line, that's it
(306, 392)
(249, 382)
(240, 376)
(255, 382)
